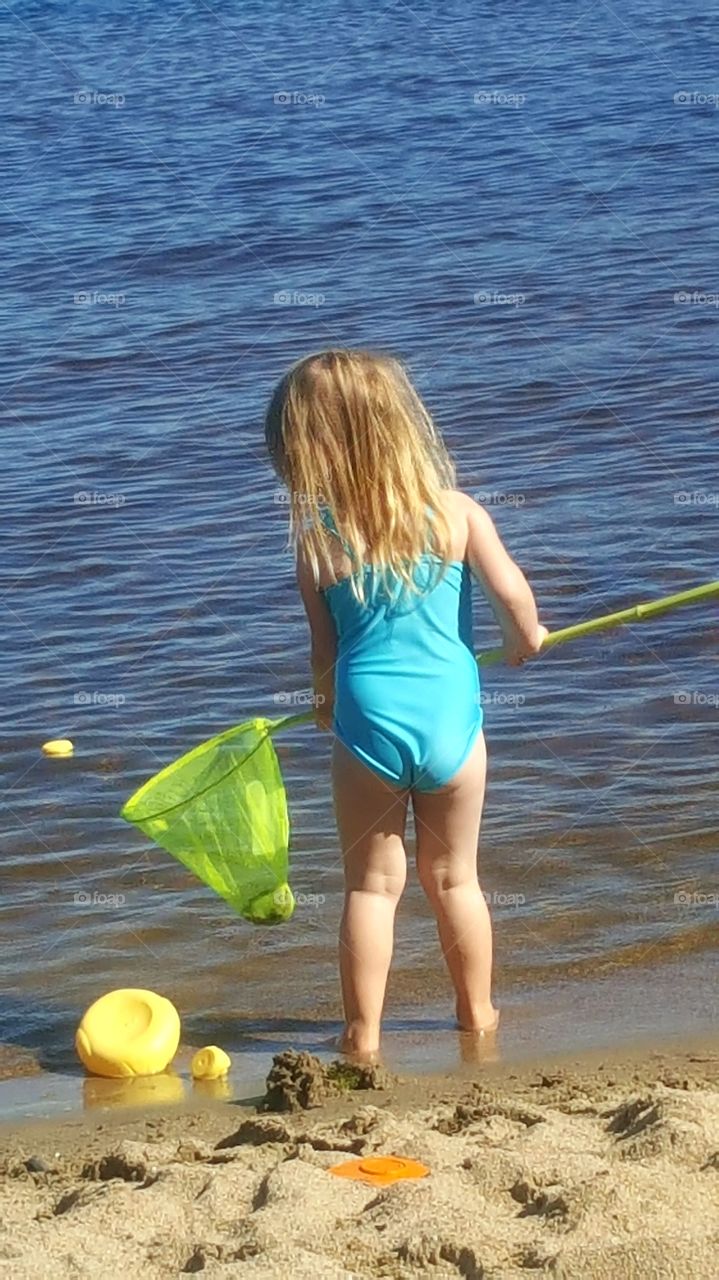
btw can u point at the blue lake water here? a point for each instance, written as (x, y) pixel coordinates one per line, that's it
(520, 202)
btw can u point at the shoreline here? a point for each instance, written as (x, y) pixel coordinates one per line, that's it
(640, 1063)
(619, 1014)
(32, 1092)
(603, 1165)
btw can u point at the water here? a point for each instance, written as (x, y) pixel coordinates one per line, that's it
(172, 240)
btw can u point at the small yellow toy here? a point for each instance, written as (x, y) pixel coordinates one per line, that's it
(58, 747)
(129, 1032)
(210, 1063)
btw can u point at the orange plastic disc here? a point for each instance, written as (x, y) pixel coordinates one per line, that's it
(379, 1171)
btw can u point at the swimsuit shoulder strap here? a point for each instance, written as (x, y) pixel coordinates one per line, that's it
(328, 521)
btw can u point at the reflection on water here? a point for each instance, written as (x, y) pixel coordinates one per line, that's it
(212, 1090)
(134, 1091)
(479, 1050)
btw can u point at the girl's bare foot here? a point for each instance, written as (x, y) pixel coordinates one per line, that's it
(357, 1046)
(479, 1021)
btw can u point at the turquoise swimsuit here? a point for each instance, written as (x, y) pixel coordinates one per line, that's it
(406, 679)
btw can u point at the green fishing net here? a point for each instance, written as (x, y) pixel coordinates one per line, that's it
(221, 810)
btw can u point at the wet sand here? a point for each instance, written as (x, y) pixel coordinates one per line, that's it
(602, 1166)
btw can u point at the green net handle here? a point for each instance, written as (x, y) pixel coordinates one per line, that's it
(637, 613)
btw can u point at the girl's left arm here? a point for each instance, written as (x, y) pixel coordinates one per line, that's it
(323, 642)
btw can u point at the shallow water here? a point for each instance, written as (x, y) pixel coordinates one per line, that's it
(211, 236)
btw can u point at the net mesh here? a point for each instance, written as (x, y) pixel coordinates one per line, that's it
(221, 810)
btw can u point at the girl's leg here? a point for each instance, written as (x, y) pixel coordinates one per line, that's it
(447, 828)
(371, 817)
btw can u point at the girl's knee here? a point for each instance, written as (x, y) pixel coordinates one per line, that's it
(439, 880)
(377, 884)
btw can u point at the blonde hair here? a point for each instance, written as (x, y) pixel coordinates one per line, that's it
(351, 438)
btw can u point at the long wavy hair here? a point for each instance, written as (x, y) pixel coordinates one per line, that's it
(358, 451)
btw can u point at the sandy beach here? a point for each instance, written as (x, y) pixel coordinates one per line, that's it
(594, 1167)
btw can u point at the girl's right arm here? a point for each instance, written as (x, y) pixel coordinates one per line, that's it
(504, 585)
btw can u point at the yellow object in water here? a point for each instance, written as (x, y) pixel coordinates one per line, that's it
(58, 747)
(210, 1063)
(130, 1032)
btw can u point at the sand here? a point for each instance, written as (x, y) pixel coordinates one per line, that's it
(578, 1169)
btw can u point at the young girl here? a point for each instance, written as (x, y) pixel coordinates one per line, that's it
(386, 551)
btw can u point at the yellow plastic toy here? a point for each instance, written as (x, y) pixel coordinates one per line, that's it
(130, 1032)
(210, 1063)
(58, 747)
